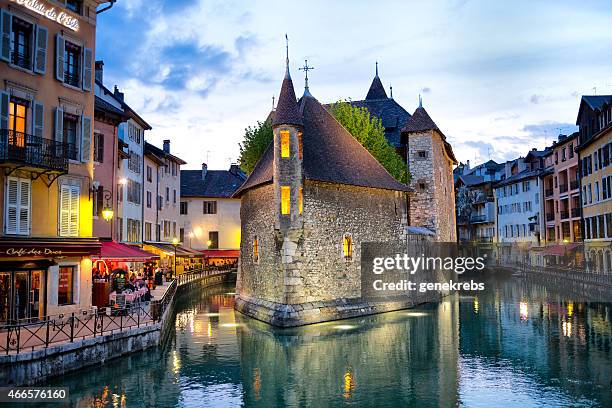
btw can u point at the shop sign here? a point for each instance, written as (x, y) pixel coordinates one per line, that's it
(18, 252)
(49, 12)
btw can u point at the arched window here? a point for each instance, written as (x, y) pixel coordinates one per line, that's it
(255, 249)
(347, 247)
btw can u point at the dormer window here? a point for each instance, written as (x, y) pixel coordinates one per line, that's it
(285, 200)
(284, 136)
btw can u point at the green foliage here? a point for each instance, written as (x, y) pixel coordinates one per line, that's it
(254, 144)
(369, 131)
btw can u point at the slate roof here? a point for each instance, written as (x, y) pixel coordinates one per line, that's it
(471, 180)
(525, 174)
(421, 121)
(392, 115)
(330, 154)
(377, 90)
(286, 112)
(160, 154)
(216, 183)
(101, 104)
(597, 101)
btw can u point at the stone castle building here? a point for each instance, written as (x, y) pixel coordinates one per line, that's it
(430, 159)
(313, 198)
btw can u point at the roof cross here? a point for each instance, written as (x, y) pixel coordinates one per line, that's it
(306, 68)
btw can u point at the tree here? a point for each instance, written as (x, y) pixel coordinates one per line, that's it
(369, 131)
(465, 200)
(256, 140)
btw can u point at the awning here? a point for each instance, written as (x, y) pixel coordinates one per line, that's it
(116, 251)
(181, 252)
(560, 250)
(221, 253)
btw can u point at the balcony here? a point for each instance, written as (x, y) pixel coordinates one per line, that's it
(548, 192)
(478, 218)
(562, 188)
(36, 153)
(564, 215)
(550, 217)
(574, 185)
(485, 239)
(575, 212)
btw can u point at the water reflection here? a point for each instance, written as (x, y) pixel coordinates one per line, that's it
(518, 342)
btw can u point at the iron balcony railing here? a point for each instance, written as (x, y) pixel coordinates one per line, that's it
(564, 215)
(550, 217)
(30, 150)
(575, 212)
(22, 60)
(549, 192)
(478, 218)
(563, 188)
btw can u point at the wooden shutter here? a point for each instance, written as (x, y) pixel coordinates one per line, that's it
(87, 69)
(69, 211)
(99, 200)
(60, 49)
(59, 124)
(12, 203)
(4, 110)
(86, 135)
(40, 53)
(18, 197)
(38, 119)
(6, 28)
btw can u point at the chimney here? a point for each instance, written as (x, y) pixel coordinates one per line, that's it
(100, 71)
(118, 95)
(167, 146)
(204, 170)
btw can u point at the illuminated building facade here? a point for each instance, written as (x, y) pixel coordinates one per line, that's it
(46, 138)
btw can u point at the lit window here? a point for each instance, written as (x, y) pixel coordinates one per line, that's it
(284, 143)
(285, 200)
(347, 246)
(65, 287)
(301, 200)
(255, 249)
(300, 145)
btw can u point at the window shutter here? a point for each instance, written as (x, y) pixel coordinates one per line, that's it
(4, 110)
(24, 206)
(12, 194)
(39, 119)
(99, 200)
(87, 68)
(60, 49)
(40, 54)
(59, 124)
(101, 148)
(69, 211)
(6, 28)
(85, 139)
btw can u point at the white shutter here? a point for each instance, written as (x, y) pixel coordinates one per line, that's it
(12, 194)
(38, 121)
(4, 110)
(74, 211)
(6, 28)
(40, 53)
(85, 139)
(69, 211)
(87, 68)
(60, 49)
(24, 206)
(59, 124)
(18, 199)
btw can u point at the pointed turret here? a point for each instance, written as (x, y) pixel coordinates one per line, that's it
(377, 90)
(287, 112)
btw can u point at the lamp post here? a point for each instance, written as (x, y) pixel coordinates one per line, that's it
(175, 243)
(107, 211)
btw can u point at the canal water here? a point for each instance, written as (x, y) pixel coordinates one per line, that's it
(518, 344)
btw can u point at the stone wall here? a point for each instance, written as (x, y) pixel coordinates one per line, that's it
(301, 275)
(432, 204)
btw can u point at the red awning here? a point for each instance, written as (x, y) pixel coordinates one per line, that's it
(221, 253)
(560, 250)
(112, 250)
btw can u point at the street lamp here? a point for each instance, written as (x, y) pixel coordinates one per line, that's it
(175, 243)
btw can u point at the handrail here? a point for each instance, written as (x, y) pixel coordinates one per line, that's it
(23, 148)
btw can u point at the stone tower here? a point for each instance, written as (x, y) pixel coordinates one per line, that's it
(430, 161)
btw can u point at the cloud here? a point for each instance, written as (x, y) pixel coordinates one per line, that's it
(535, 99)
(426, 90)
(549, 129)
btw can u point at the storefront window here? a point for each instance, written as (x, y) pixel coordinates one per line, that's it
(65, 289)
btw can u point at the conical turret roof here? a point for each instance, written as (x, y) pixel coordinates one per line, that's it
(287, 112)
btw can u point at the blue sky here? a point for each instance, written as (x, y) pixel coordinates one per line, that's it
(497, 77)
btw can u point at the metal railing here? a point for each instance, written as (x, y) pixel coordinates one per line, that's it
(550, 217)
(563, 188)
(67, 328)
(574, 184)
(478, 218)
(575, 212)
(22, 60)
(39, 152)
(564, 215)
(548, 192)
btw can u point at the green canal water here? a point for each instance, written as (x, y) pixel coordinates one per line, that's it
(518, 344)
